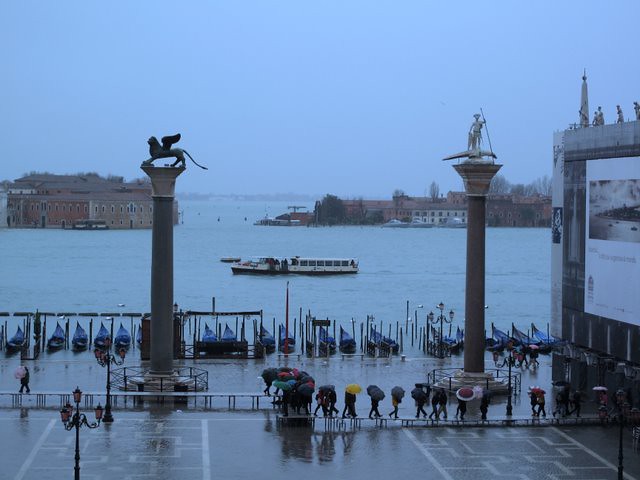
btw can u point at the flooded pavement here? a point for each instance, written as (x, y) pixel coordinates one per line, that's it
(172, 445)
(178, 441)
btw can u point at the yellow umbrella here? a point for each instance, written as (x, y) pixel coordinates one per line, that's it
(353, 388)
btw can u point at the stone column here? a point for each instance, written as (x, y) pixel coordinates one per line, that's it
(477, 178)
(163, 182)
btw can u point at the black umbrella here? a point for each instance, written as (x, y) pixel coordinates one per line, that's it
(327, 388)
(397, 392)
(375, 392)
(305, 390)
(418, 394)
(306, 378)
(269, 374)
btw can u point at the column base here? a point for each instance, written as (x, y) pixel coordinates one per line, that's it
(485, 380)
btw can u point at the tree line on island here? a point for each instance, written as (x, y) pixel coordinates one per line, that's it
(331, 210)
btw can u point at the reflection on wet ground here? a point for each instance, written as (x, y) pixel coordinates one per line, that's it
(248, 445)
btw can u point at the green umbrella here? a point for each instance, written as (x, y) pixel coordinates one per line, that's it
(284, 386)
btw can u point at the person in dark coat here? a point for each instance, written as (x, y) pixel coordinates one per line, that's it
(534, 403)
(332, 398)
(484, 406)
(349, 405)
(461, 410)
(420, 406)
(286, 397)
(374, 408)
(321, 397)
(435, 399)
(24, 381)
(576, 400)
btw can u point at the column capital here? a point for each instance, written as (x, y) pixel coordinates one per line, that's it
(477, 177)
(163, 179)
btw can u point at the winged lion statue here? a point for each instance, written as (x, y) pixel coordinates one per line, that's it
(165, 151)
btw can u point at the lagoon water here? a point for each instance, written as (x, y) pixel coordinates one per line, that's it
(74, 271)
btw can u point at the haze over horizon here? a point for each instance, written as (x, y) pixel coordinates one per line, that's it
(354, 99)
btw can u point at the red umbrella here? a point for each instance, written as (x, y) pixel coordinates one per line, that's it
(465, 393)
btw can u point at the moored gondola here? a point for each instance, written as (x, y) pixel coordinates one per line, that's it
(208, 336)
(268, 341)
(228, 335)
(80, 338)
(16, 342)
(326, 343)
(122, 338)
(102, 338)
(57, 339)
(347, 343)
(291, 342)
(379, 339)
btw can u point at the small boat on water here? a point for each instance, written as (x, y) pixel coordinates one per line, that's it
(228, 335)
(327, 344)
(122, 339)
(395, 223)
(419, 223)
(378, 338)
(291, 342)
(208, 336)
(230, 259)
(296, 265)
(102, 338)
(347, 343)
(16, 342)
(268, 341)
(80, 338)
(57, 339)
(453, 222)
(498, 340)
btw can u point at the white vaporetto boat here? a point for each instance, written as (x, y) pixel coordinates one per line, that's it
(296, 265)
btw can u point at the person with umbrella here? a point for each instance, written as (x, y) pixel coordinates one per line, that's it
(24, 381)
(396, 399)
(534, 402)
(435, 400)
(576, 401)
(442, 404)
(350, 400)
(463, 395)
(321, 398)
(420, 397)
(269, 375)
(540, 400)
(332, 398)
(376, 395)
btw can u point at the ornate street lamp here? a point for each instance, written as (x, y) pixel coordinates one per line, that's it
(71, 420)
(442, 318)
(105, 359)
(510, 362)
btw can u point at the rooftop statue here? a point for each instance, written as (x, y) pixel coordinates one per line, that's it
(620, 114)
(474, 152)
(636, 107)
(165, 151)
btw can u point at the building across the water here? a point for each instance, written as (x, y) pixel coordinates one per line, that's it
(503, 210)
(65, 201)
(595, 290)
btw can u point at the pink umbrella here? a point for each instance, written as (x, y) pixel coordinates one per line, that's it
(534, 347)
(20, 372)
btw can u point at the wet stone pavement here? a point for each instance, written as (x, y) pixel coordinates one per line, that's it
(173, 445)
(177, 441)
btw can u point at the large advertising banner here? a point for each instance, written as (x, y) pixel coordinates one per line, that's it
(612, 244)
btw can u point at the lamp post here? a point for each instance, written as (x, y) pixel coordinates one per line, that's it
(105, 359)
(510, 362)
(74, 419)
(442, 318)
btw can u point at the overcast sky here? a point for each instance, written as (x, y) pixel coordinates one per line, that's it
(345, 97)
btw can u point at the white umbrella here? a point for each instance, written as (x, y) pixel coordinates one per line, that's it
(20, 372)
